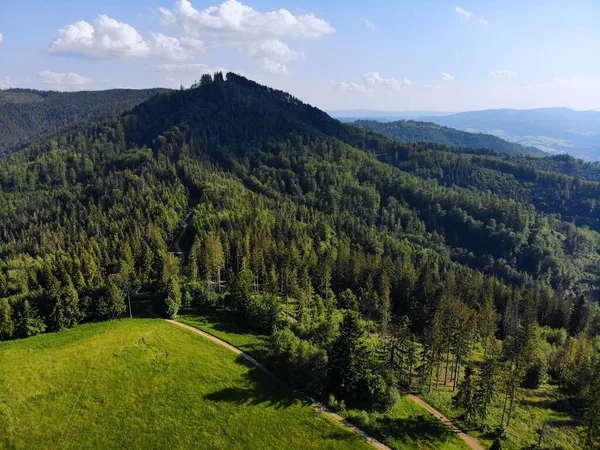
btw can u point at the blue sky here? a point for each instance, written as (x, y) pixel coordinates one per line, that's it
(387, 55)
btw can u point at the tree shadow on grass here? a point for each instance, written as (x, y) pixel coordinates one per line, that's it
(402, 432)
(251, 397)
(264, 390)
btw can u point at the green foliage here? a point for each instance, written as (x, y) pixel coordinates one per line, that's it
(173, 300)
(263, 312)
(27, 114)
(302, 364)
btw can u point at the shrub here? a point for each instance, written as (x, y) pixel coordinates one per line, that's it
(263, 312)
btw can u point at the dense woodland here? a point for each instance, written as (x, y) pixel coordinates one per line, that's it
(415, 131)
(379, 267)
(26, 114)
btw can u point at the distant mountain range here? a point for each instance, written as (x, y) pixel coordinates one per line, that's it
(353, 115)
(553, 130)
(413, 131)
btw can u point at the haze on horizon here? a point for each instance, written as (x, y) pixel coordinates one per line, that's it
(406, 56)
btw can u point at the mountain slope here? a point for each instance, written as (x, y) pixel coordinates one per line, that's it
(358, 237)
(27, 114)
(555, 130)
(412, 131)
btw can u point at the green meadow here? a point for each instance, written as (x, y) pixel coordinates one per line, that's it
(145, 383)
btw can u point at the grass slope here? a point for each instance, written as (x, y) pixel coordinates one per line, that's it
(149, 385)
(406, 426)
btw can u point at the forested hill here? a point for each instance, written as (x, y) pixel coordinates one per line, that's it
(447, 247)
(26, 114)
(414, 131)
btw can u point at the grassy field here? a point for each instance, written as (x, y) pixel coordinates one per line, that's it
(407, 426)
(144, 383)
(534, 410)
(221, 325)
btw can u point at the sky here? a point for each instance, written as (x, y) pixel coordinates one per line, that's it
(378, 54)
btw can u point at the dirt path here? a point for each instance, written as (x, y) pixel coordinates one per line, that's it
(319, 407)
(470, 441)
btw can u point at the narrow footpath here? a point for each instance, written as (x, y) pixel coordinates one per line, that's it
(470, 441)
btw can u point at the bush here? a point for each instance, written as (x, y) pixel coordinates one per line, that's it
(200, 295)
(301, 363)
(263, 312)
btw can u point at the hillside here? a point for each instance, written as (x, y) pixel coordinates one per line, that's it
(412, 131)
(554, 130)
(391, 260)
(148, 384)
(27, 114)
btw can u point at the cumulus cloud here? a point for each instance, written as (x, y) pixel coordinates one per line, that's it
(260, 35)
(503, 73)
(370, 25)
(63, 78)
(274, 55)
(235, 21)
(108, 38)
(1, 39)
(466, 15)
(447, 77)
(371, 82)
(348, 87)
(373, 79)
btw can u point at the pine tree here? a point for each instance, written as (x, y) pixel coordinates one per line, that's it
(486, 387)
(591, 417)
(173, 299)
(465, 395)
(28, 321)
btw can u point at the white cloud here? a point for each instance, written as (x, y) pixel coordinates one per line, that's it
(108, 38)
(259, 35)
(348, 87)
(1, 39)
(462, 12)
(274, 55)
(233, 21)
(168, 18)
(447, 77)
(372, 79)
(370, 25)
(503, 73)
(62, 78)
(466, 15)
